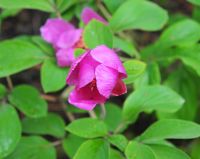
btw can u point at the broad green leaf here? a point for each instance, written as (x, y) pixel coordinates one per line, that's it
(2, 91)
(190, 56)
(10, 130)
(33, 147)
(134, 69)
(44, 46)
(43, 5)
(87, 128)
(166, 152)
(149, 98)
(28, 100)
(143, 15)
(185, 84)
(151, 76)
(119, 141)
(52, 124)
(52, 76)
(182, 33)
(113, 116)
(136, 150)
(71, 144)
(125, 46)
(18, 55)
(195, 2)
(113, 5)
(8, 13)
(170, 129)
(113, 154)
(96, 33)
(194, 149)
(93, 149)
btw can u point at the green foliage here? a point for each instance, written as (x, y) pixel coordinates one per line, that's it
(93, 149)
(96, 33)
(18, 55)
(170, 129)
(2, 91)
(87, 128)
(134, 69)
(44, 5)
(151, 98)
(10, 130)
(53, 82)
(144, 15)
(119, 141)
(28, 100)
(52, 124)
(33, 147)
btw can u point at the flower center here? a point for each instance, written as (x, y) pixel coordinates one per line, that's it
(80, 44)
(93, 84)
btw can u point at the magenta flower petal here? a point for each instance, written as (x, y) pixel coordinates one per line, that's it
(73, 75)
(69, 38)
(85, 98)
(88, 14)
(65, 57)
(53, 28)
(106, 79)
(120, 88)
(109, 58)
(86, 71)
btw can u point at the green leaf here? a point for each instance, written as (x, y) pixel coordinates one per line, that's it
(195, 2)
(170, 129)
(93, 149)
(182, 33)
(2, 91)
(28, 100)
(10, 130)
(8, 13)
(87, 128)
(71, 144)
(96, 33)
(44, 46)
(185, 84)
(145, 15)
(113, 5)
(134, 69)
(119, 141)
(33, 147)
(190, 56)
(125, 46)
(151, 98)
(151, 76)
(57, 80)
(113, 116)
(194, 149)
(18, 55)
(137, 150)
(43, 5)
(166, 152)
(52, 124)
(113, 154)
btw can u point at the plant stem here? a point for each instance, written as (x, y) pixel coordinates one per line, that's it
(55, 9)
(69, 115)
(56, 143)
(9, 81)
(103, 111)
(92, 114)
(103, 10)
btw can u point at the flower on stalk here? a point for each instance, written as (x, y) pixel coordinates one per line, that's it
(96, 75)
(64, 37)
(88, 14)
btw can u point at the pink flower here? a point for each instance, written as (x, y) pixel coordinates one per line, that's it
(88, 14)
(64, 37)
(97, 74)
